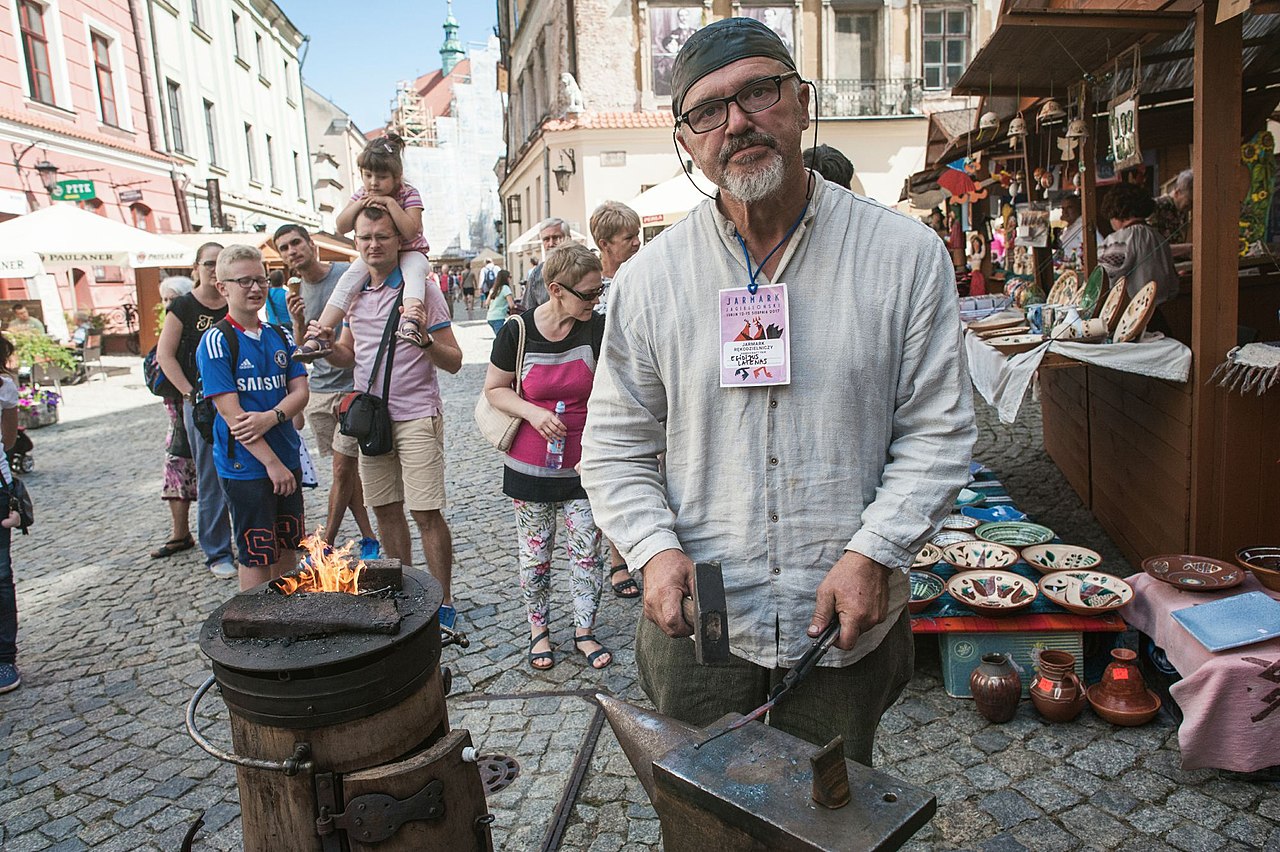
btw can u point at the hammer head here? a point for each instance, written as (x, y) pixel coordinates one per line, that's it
(707, 614)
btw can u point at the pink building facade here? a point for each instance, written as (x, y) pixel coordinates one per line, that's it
(74, 97)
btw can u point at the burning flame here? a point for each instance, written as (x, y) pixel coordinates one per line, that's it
(327, 570)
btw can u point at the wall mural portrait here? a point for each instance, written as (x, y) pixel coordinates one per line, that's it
(669, 29)
(779, 19)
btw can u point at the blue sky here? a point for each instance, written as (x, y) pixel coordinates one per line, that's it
(359, 50)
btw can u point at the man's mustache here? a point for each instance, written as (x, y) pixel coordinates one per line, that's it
(738, 143)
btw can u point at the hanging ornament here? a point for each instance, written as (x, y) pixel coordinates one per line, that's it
(1017, 127)
(1051, 111)
(1077, 129)
(988, 121)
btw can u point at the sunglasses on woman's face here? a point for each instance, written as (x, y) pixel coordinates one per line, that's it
(589, 296)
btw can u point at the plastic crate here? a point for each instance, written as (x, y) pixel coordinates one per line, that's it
(961, 653)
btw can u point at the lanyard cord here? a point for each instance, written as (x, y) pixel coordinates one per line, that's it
(752, 284)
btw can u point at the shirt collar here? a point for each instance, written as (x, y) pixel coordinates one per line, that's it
(394, 280)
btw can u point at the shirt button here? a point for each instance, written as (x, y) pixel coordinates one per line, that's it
(777, 570)
(773, 461)
(773, 403)
(773, 518)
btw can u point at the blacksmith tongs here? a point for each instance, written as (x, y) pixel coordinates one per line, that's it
(820, 646)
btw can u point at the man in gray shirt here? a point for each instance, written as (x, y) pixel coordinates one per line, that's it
(814, 467)
(553, 232)
(329, 384)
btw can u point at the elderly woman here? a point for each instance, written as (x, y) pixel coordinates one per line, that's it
(179, 488)
(1135, 250)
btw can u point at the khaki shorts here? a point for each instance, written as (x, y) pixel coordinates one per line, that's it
(413, 472)
(322, 414)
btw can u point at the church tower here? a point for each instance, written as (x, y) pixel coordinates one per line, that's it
(451, 52)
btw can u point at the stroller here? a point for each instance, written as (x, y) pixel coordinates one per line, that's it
(20, 458)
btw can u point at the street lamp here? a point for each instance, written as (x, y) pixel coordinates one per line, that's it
(48, 174)
(563, 173)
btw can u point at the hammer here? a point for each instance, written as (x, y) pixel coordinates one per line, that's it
(705, 612)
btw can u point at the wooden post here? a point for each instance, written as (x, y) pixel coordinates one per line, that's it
(1088, 194)
(147, 284)
(1214, 263)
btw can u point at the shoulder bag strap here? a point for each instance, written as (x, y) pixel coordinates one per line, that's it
(387, 345)
(519, 355)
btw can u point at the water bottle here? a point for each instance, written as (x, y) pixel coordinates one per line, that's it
(555, 448)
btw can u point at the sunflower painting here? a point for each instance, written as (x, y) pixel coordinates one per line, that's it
(1259, 158)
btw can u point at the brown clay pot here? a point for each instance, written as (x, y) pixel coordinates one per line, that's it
(1122, 697)
(1057, 692)
(996, 687)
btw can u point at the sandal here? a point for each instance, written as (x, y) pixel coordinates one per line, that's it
(624, 588)
(595, 655)
(536, 656)
(172, 546)
(310, 350)
(410, 333)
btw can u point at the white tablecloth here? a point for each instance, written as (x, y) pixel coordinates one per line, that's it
(1003, 380)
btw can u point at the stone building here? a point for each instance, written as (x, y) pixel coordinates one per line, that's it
(336, 142)
(604, 132)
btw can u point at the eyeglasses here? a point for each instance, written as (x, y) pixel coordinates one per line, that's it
(248, 282)
(208, 264)
(589, 296)
(756, 96)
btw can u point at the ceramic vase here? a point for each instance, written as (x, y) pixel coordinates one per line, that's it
(1122, 697)
(1057, 692)
(996, 687)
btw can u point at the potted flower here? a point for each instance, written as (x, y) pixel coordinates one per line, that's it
(37, 407)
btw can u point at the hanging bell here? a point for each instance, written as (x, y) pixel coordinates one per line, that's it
(1017, 126)
(988, 121)
(1077, 129)
(1051, 111)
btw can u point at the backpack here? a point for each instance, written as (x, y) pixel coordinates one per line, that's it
(203, 413)
(155, 378)
(489, 275)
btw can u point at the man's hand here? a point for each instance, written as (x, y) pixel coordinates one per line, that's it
(294, 303)
(318, 332)
(415, 312)
(252, 425)
(668, 579)
(855, 590)
(282, 480)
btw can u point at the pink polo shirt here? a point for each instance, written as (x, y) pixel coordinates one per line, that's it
(415, 387)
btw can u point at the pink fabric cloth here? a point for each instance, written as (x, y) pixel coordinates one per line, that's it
(1230, 699)
(406, 196)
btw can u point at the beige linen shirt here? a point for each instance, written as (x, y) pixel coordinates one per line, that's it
(865, 450)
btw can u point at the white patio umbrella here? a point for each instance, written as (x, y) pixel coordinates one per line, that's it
(671, 200)
(528, 241)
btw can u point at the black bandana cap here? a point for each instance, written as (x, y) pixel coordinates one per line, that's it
(719, 44)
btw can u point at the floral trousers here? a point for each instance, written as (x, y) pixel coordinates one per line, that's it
(536, 530)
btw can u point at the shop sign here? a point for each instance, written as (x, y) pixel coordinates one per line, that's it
(129, 196)
(73, 190)
(1125, 148)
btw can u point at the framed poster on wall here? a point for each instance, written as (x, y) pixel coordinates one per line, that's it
(780, 19)
(669, 28)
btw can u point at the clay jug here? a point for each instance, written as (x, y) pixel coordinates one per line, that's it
(1056, 692)
(996, 687)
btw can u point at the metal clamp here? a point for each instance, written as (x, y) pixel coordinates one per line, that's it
(299, 761)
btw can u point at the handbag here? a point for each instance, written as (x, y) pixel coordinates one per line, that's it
(19, 501)
(498, 427)
(364, 415)
(179, 445)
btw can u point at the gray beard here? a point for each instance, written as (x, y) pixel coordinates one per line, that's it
(758, 184)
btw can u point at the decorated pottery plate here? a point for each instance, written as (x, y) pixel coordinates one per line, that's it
(1014, 344)
(1047, 558)
(946, 538)
(992, 592)
(1004, 332)
(1004, 319)
(1136, 315)
(1192, 573)
(1014, 533)
(1263, 563)
(928, 555)
(976, 555)
(1086, 592)
(968, 497)
(926, 587)
(958, 521)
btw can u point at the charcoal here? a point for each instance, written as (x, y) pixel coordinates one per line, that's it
(307, 615)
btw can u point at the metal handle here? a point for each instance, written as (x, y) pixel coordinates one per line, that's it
(299, 761)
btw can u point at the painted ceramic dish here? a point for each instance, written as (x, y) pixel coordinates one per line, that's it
(1005, 319)
(1136, 315)
(1263, 563)
(1086, 592)
(1193, 573)
(957, 521)
(928, 555)
(976, 555)
(992, 592)
(946, 538)
(968, 497)
(1047, 558)
(991, 514)
(1063, 290)
(926, 587)
(1014, 344)
(1088, 296)
(1114, 306)
(1004, 332)
(1015, 533)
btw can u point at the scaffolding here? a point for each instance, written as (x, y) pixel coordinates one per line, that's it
(411, 118)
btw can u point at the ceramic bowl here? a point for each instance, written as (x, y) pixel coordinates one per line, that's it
(928, 556)
(1263, 563)
(978, 555)
(958, 521)
(926, 587)
(991, 514)
(1013, 344)
(946, 538)
(1193, 573)
(1014, 533)
(1086, 592)
(1047, 558)
(992, 592)
(968, 497)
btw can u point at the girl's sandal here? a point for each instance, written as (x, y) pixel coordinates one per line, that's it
(537, 656)
(410, 333)
(309, 350)
(594, 655)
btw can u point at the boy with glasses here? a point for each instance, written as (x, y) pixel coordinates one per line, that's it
(257, 387)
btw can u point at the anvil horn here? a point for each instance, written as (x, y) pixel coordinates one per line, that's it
(645, 736)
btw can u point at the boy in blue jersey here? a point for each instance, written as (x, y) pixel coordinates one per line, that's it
(257, 387)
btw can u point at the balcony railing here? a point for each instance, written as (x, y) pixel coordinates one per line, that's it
(840, 98)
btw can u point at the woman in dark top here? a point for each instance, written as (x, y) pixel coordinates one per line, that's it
(562, 343)
(189, 317)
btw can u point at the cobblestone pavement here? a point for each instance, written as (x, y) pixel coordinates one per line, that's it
(93, 753)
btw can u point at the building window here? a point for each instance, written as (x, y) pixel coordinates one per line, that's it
(271, 161)
(174, 92)
(235, 35)
(195, 12)
(211, 135)
(141, 216)
(855, 48)
(35, 47)
(106, 84)
(946, 46)
(248, 147)
(262, 62)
